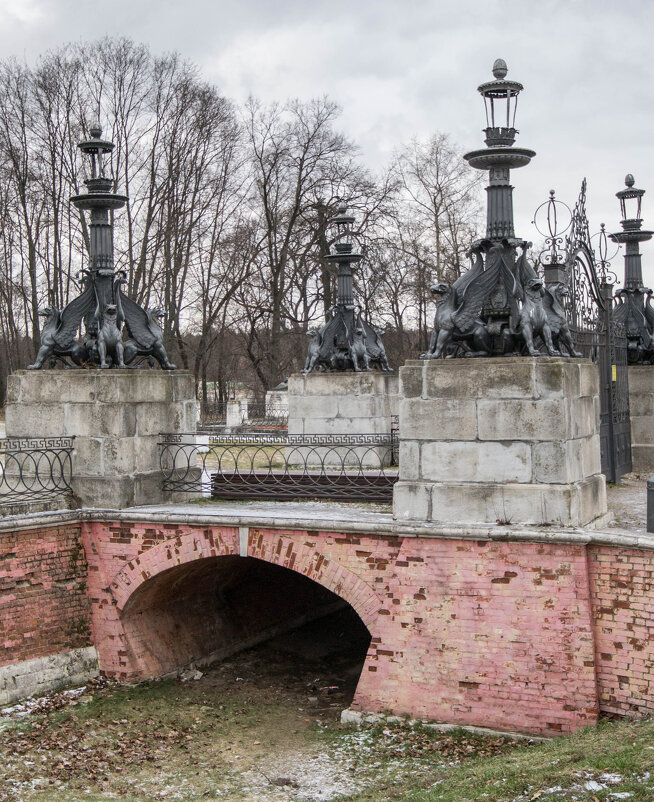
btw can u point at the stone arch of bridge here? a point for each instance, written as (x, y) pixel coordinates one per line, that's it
(131, 581)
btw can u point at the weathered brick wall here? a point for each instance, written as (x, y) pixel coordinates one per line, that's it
(538, 637)
(44, 608)
(494, 634)
(622, 589)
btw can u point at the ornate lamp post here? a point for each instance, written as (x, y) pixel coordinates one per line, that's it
(346, 341)
(102, 305)
(634, 309)
(499, 306)
(501, 101)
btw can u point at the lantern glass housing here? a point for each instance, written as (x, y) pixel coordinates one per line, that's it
(343, 222)
(501, 103)
(630, 200)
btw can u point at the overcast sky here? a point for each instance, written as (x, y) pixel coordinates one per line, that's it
(405, 68)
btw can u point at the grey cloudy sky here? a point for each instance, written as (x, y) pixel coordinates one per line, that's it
(408, 68)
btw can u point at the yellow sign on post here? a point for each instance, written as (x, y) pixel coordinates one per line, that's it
(614, 373)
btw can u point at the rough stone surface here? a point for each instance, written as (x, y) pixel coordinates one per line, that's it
(116, 417)
(347, 403)
(641, 404)
(46, 674)
(500, 440)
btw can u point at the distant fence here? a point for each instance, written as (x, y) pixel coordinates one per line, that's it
(280, 466)
(34, 468)
(246, 414)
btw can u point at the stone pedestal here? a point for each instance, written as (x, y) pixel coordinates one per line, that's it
(508, 440)
(345, 407)
(641, 409)
(116, 417)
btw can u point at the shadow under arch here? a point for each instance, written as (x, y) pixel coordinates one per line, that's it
(201, 611)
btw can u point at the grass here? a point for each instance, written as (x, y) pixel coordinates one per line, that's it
(258, 738)
(621, 749)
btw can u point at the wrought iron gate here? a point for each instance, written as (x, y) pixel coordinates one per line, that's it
(599, 336)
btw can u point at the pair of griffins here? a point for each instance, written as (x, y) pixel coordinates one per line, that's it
(536, 311)
(365, 348)
(103, 343)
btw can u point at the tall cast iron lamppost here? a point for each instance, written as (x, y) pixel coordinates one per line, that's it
(102, 306)
(499, 306)
(634, 310)
(346, 341)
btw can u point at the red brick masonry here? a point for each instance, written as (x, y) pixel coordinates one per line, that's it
(509, 634)
(44, 608)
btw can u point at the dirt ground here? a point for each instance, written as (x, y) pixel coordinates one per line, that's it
(261, 726)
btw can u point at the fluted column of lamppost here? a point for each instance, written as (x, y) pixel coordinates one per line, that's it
(344, 257)
(500, 100)
(100, 200)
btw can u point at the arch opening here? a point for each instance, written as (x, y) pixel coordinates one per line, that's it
(204, 611)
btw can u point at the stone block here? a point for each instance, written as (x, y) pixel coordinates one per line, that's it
(642, 457)
(582, 417)
(554, 464)
(411, 381)
(501, 503)
(642, 431)
(641, 405)
(313, 406)
(412, 501)
(296, 425)
(556, 377)
(409, 460)
(592, 499)
(154, 418)
(361, 406)
(25, 419)
(97, 420)
(475, 462)
(516, 419)
(87, 456)
(641, 380)
(591, 458)
(471, 378)
(438, 419)
(588, 378)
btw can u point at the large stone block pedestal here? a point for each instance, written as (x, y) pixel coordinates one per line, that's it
(349, 407)
(641, 409)
(509, 440)
(116, 417)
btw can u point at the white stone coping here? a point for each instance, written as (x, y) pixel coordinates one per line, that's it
(329, 517)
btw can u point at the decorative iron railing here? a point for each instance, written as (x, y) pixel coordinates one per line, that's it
(360, 467)
(34, 468)
(214, 413)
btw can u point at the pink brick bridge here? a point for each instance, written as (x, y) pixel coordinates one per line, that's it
(483, 626)
(501, 627)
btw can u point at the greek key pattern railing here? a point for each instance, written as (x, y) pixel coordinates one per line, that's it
(283, 467)
(34, 468)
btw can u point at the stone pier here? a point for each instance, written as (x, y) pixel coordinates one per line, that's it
(116, 418)
(507, 440)
(641, 407)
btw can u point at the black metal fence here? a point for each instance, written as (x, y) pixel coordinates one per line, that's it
(34, 469)
(282, 467)
(213, 414)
